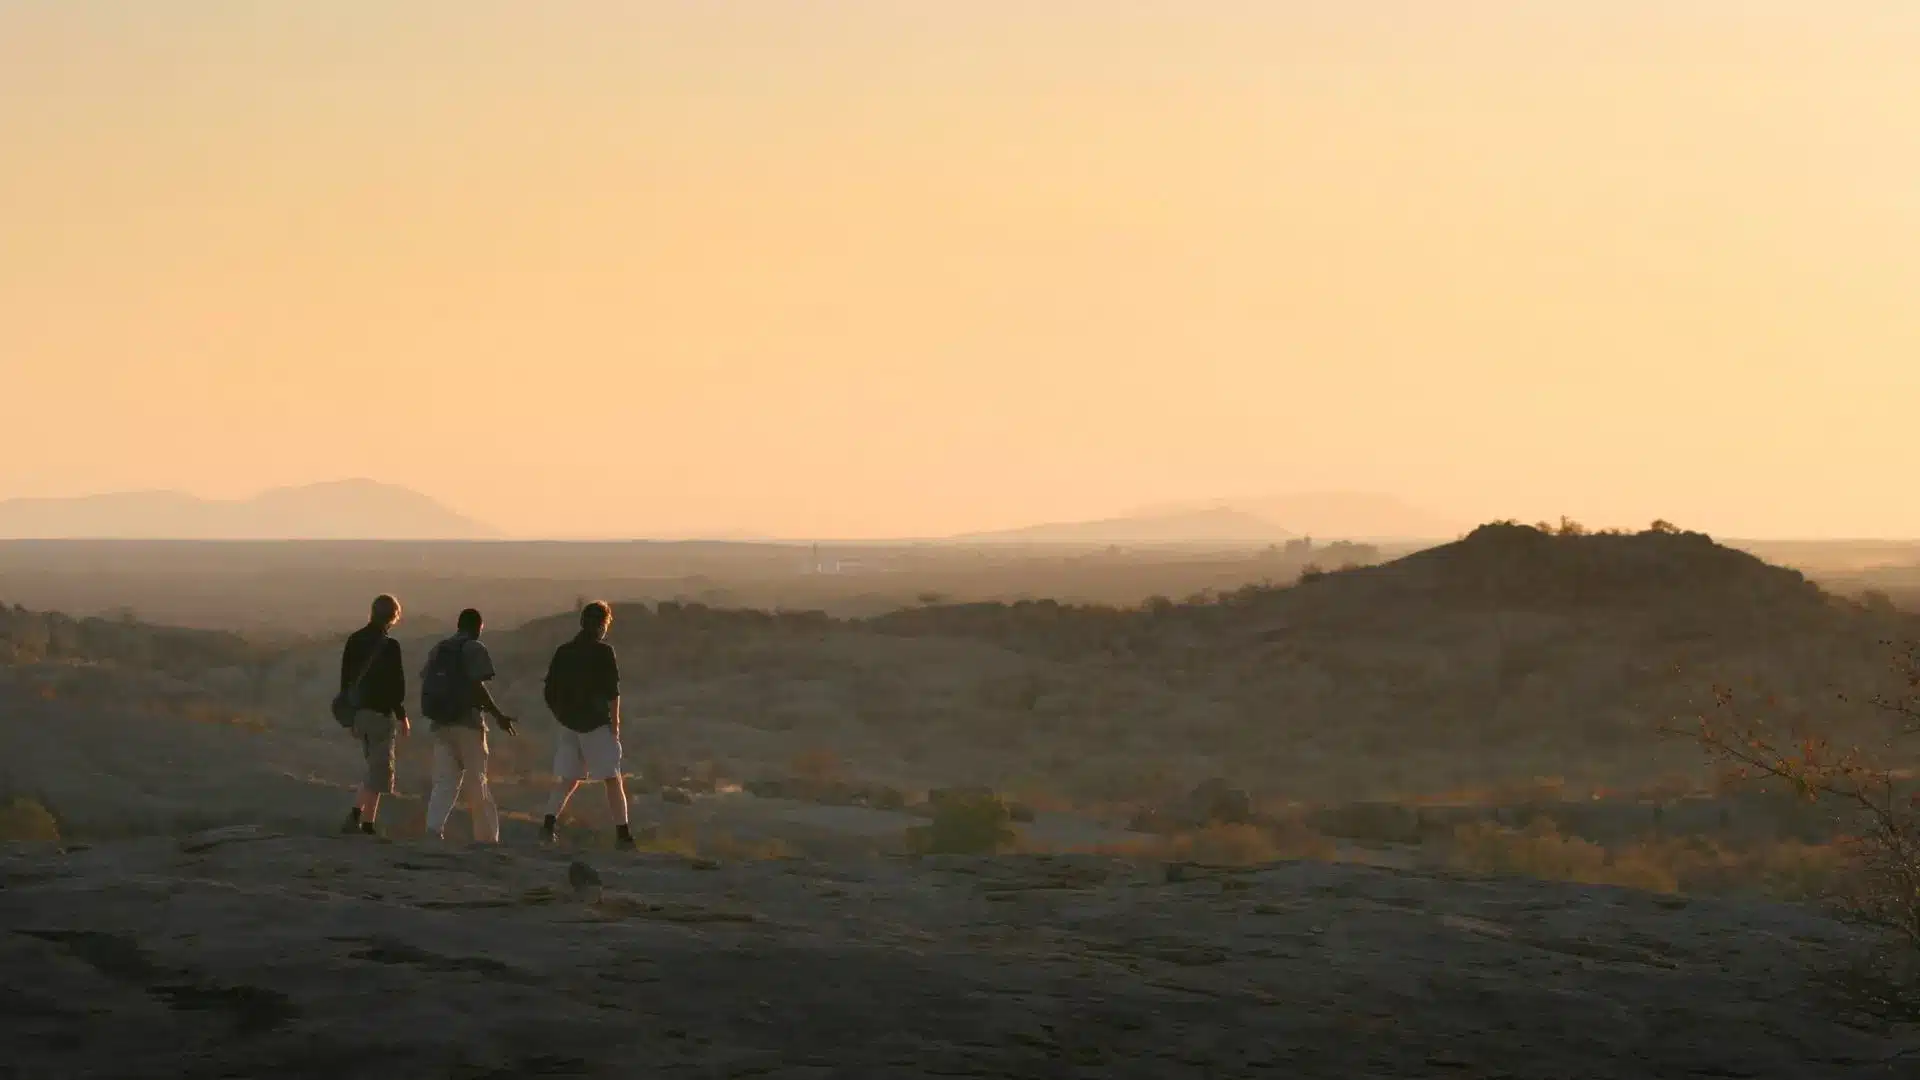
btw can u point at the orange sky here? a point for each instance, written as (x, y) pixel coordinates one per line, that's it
(883, 268)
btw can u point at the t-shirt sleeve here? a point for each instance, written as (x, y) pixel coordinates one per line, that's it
(389, 674)
(551, 689)
(611, 673)
(479, 661)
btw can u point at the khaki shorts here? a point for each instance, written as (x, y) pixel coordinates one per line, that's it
(377, 738)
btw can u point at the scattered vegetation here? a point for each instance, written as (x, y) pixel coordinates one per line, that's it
(28, 637)
(1224, 844)
(1785, 870)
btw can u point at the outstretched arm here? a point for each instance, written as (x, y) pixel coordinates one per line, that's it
(484, 698)
(479, 668)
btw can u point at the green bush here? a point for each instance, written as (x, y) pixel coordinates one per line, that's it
(26, 821)
(966, 825)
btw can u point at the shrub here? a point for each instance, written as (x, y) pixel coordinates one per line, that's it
(27, 821)
(971, 824)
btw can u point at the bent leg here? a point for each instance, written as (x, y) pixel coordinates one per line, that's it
(562, 794)
(569, 768)
(446, 783)
(377, 746)
(617, 799)
(486, 816)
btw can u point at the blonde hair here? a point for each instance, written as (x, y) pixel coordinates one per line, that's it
(595, 615)
(386, 609)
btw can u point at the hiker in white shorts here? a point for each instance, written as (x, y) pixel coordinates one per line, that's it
(583, 690)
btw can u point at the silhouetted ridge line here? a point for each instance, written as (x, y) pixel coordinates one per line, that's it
(1524, 566)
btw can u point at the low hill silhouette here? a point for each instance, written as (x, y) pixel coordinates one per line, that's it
(343, 509)
(1671, 576)
(1509, 564)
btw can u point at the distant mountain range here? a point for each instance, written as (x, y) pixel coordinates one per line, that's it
(1216, 525)
(1340, 515)
(339, 510)
(1266, 520)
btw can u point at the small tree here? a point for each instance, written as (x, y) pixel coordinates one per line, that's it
(1879, 800)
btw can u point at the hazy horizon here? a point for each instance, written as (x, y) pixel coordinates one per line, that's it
(485, 531)
(857, 270)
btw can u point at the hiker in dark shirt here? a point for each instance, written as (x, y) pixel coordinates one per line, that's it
(456, 701)
(583, 690)
(374, 680)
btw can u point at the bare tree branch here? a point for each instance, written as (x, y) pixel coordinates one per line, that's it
(1882, 802)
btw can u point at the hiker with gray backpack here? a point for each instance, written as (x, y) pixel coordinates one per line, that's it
(456, 702)
(372, 704)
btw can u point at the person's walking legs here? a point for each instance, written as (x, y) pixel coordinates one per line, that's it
(617, 806)
(376, 733)
(557, 805)
(447, 781)
(486, 815)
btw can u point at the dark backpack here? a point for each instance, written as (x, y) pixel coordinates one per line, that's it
(446, 695)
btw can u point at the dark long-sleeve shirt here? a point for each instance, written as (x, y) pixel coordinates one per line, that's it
(583, 681)
(384, 690)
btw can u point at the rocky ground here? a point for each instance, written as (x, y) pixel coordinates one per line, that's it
(241, 953)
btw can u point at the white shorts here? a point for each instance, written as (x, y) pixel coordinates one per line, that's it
(586, 755)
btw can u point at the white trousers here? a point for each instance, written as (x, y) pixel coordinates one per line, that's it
(460, 762)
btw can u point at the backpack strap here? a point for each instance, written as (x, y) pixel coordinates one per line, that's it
(366, 668)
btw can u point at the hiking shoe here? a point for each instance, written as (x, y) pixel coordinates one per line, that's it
(352, 823)
(624, 843)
